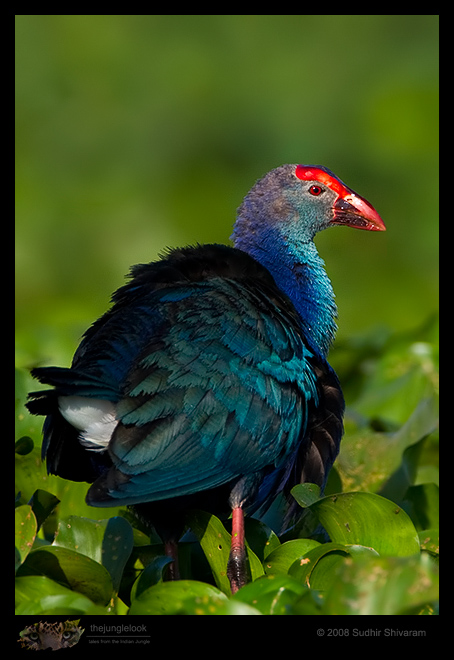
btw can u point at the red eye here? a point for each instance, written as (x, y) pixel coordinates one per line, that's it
(315, 190)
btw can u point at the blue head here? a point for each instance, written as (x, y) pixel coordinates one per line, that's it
(276, 224)
(294, 202)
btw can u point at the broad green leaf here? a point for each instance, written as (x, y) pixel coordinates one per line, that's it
(430, 541)
(280, 560)
(71, 569)
(254, 563)
(383, 586)
(26, 528)
(24, 445)
(260, 538)
(180, 597)
(317, 568)
(38, 594)
(306, 494)
(151, 575)
(273, 594)
(308, 604)
(215, 542)
(405, 374)
(117, 546)
(108, 542)
(369, 520)
(422, 505)
(43, 503)
(227, 608)
(368, 458)
(82, 535)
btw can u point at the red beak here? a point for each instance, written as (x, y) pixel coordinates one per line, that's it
(352, 210)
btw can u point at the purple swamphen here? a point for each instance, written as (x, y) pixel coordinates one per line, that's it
(206, 384)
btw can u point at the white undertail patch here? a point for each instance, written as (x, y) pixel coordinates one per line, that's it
(96, 418)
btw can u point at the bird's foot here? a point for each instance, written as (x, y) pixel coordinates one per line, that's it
(236, 569)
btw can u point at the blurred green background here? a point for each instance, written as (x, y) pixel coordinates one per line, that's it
(139, 132)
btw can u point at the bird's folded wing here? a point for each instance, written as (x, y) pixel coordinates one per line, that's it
(219, 388)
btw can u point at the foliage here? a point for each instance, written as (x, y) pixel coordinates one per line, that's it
(368, 546)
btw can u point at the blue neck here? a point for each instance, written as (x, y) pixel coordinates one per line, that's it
(299, 272)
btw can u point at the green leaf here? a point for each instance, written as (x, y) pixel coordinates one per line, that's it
(404, 375)
(280, 560)
(229, 607)
(318, 567)
(116, 548)
(368, 459)
(108, 542)
(260, 538)
(38, 594)
(151, 575)
(422, 505)
(43, 503)
(83, 535)
(306, 494)
(383, 586)
(24, 445)
(369, 520)
(215, 542)
(26, 528)
(180, 597)
(273, 594)
(430, 541)
(71, 569)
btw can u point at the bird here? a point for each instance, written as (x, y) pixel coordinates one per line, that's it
(206, 383)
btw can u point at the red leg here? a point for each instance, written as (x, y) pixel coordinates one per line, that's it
(236, 566)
